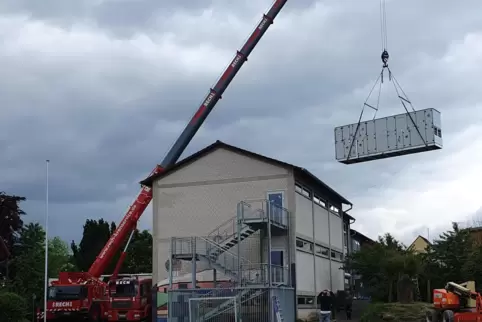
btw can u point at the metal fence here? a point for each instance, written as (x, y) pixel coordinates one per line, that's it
(232, 305)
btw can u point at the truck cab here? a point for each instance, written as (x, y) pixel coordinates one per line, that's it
(70, 301)
(130, 299)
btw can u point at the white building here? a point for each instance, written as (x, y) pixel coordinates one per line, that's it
(203, 191)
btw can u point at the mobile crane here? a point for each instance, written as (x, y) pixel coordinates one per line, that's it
(83, 293)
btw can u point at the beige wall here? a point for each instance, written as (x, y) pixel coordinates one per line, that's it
(419, 245)
(197, 198)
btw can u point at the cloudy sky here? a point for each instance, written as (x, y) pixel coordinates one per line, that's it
(102, 88)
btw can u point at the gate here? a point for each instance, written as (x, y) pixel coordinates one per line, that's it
(231, 305)
(215, 309)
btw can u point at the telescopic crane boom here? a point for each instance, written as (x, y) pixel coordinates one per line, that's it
(135, 211)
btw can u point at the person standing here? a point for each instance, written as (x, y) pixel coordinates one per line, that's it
(349, 304)
(324, 302)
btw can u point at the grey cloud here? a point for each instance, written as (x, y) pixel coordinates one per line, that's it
(100, 142)
(124, 18)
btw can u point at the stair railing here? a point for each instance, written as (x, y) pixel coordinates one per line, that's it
(262, 209)
(224, 231)
(228, 260)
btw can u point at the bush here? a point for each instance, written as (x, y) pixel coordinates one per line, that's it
(12, 307)
(395, 312)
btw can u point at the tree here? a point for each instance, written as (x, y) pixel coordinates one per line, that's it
(94, 237)
(28, 262)
(139, 254)
(12, 307)
(382, 265)
(449, 256)
(59, 257)
(391, 243)
(10, 222)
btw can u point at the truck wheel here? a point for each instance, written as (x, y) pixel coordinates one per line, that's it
(149, 317)
(448, 316)
(432, 316)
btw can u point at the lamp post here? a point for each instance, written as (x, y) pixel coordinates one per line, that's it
(46, 276)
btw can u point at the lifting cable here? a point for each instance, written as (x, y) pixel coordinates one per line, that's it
(398, 88)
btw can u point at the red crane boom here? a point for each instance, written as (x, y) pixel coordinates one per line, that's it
(135, 211)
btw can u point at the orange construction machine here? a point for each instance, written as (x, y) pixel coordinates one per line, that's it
(456, 303)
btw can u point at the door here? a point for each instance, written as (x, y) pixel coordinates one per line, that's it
(276, 206)
(277, 266)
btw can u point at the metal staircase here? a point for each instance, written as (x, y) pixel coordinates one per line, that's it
(217, 251)
(228, 242)
(209, 252)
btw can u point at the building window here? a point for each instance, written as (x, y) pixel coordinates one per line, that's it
(345, 235)
(298, 188)
(303, 191)
(299, 243)
(319, 201)
(334, 209)
(306, 300)
(336, 255)
(321, 250)
(356, 245)
(304, 245)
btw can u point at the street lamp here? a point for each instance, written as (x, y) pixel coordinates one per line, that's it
(46, 276)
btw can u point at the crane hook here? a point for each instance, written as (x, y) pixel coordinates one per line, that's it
(385, 57)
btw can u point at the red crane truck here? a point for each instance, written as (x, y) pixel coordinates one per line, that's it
(130, 299)
(87, 295)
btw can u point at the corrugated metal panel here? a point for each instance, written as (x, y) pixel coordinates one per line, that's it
(305, 274)
(389, 136)
(338, 276)
(304, 216)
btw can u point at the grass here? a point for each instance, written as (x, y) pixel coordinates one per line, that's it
(395, 312)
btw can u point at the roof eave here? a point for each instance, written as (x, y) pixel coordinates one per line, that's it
(342, 199)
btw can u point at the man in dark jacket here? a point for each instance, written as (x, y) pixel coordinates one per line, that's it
(324, 302)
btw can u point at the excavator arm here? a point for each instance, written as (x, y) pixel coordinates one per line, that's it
(135, 211)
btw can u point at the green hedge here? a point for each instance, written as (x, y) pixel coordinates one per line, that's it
(12, 307)
(395, 312)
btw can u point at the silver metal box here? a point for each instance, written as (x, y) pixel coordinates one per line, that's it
(389, 136)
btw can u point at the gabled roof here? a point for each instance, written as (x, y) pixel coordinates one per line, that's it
(299, 171)
(424, 239)
(419, 237)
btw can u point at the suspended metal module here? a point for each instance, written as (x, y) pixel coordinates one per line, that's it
(396, 135)
(389, 136)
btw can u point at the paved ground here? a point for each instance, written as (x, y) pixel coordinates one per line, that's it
(358, 307)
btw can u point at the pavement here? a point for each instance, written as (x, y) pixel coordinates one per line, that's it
(358, 307)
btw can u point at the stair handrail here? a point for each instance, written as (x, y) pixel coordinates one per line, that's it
(217, 231)
(242, 259)
(266, 203)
